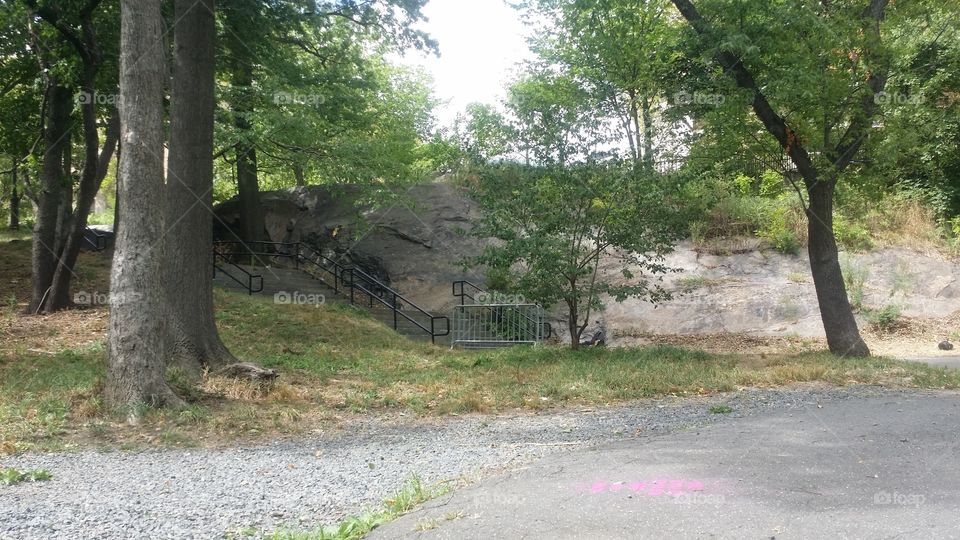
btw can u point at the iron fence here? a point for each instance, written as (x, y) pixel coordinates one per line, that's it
(479, 326)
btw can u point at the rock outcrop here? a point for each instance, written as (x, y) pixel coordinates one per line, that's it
(418, 243)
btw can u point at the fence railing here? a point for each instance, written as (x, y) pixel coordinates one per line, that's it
(464, 289)
(497, 325)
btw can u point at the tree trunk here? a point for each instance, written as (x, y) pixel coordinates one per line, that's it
(15, 201)
(298, 174)
(248, 188)
(51, 184)
(94, 171)
(647, 132)
(65, 208)
(843, 336)
(572, 325)
(189, 194)
(137, 349)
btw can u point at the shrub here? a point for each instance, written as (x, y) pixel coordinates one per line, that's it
(884, 318)
(855, 279)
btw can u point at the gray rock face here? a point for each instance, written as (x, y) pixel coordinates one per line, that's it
(417, 244)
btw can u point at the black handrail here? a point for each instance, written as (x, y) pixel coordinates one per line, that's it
(257, 256)
(250, 276)
(462, 294)
(352, 278)
(100, 240)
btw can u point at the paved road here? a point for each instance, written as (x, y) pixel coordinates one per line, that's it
(886, 467)
(937, 361)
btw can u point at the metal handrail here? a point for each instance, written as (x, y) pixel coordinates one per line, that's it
(101, 239)
(374, 288)
(464, 294)
(250, 276)
(248, 251)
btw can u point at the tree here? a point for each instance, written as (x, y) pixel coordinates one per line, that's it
(188, 205)
(137, 339)
(287, 46)
(832, 62)
(622, 51)
(556, 226)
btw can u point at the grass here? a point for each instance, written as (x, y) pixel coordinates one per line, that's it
(336, 363)
(9, 477)
(413, 494)
(721, 409)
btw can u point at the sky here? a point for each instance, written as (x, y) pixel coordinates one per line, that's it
(481, 41)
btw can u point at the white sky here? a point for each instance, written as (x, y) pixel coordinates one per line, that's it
(481, 41)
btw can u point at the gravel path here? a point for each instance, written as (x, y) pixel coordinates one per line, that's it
(205, 493)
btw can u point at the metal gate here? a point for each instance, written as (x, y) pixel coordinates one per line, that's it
(478, 326)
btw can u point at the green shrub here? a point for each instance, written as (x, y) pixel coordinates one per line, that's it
(851, 235)
(780, 229)
(854, 278)
(884, 318)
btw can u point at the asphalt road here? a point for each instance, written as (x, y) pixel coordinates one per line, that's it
(885, 467)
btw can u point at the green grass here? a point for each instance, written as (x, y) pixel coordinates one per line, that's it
(413, 494)
(721, 409)
(336, 362)
(9, 477)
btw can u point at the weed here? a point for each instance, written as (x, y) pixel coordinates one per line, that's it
(885, 318)
(9, 477)
(855, 279)
(797, 277)
(721, 409)
(413, 494)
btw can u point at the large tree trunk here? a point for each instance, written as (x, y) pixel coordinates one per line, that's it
(248, 188)
(94, 171)
(137, 345)
(15, 197)
(51, 185)
(189, 194)
(843, 336)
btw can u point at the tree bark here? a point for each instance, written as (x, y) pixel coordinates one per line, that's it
(137, 345)
(196, 345)
(65, 208)
(44, 257)
(94, 171)
(248, 188)
(15, 197)
(843, 336)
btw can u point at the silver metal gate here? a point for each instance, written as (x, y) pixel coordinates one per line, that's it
(477, 326)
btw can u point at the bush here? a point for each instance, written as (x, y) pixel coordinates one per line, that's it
(780, 230)
(885, 318)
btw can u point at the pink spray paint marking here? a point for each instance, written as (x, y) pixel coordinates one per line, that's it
(655, 488)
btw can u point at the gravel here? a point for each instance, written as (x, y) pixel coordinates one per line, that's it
(299, 485)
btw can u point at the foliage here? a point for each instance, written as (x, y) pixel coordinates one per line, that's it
(557, 225)
(884, 318)
(413, 494)
(9, 477)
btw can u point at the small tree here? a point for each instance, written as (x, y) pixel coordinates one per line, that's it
(556, 225)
